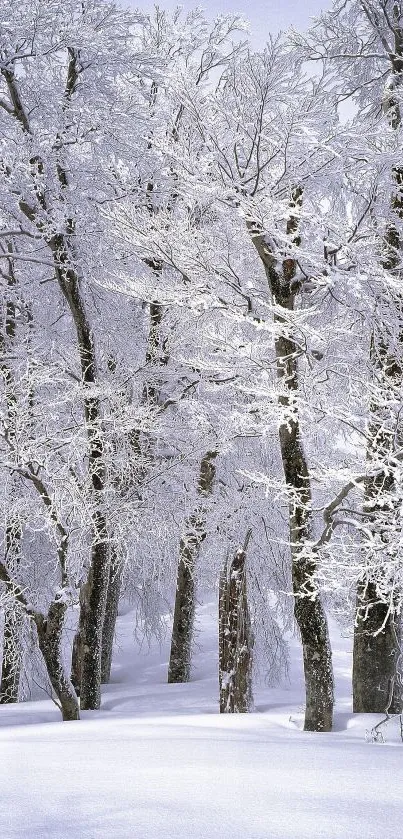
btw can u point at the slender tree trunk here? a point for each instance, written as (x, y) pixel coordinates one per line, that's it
(13, 624)
(308, 609)
(95, 591)
(77, 651)
(183, 623)
(189, 549)
(235, 638)
(50, 644)
(12, 656)
(12, 642)
(111, 613)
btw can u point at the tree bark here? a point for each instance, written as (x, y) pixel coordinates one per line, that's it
(96, 586)
(95, 594)
(235, 638)
(183, 624)
(12, 646)
(377, 684)
(49, 631)
(111, 613)
(184, 613)
(12, 657)
(308, 609)
(13, 624)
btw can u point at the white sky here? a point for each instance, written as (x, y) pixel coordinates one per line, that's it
(265, 16)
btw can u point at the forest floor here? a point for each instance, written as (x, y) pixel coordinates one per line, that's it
(159, 762)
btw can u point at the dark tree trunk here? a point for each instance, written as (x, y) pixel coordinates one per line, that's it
(76, 659)
(111, 613)
(50, 640)
(12, 656)
(13, 624)
(235, 638)
(95, 594)
(96, 585)
(308, 609)
(183, 623)
(377, 685)
(77, 651)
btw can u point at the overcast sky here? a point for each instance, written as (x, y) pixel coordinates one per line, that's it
(265, 16)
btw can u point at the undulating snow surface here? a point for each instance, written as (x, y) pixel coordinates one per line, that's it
(159, 761)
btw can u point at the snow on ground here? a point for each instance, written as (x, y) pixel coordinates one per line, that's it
(159, 762)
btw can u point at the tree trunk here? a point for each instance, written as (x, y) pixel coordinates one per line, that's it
(183, 623)
(77, 651)
(50, 639)
(12, 649)
(111, 613)
(308, 609)
(95, 594)
(13, 623)
(377, 685)
(12, 656)
(97, 583)
(235, 638)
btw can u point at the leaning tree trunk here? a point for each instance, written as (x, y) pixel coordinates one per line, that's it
(189, 549)
(49, 631)
(308, 609)
(377, 684)
(235, 637)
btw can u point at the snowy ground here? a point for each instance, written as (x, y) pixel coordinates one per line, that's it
(159, 762)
